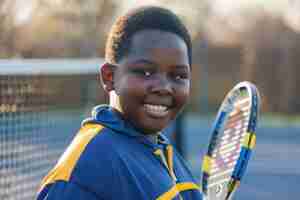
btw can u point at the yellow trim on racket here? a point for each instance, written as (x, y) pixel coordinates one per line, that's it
(233, 185)
(249, 141)
(207, 162)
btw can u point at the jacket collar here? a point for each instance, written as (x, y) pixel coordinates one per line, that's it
(110, 118)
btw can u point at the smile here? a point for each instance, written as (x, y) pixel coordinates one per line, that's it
(156, 110)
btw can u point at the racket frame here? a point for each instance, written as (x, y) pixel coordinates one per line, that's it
(249, 140)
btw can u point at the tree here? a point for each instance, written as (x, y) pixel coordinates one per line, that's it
(7, 28)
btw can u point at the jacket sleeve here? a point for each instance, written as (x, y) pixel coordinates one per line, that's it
(67, 191)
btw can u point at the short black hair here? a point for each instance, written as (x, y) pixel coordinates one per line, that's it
(143, 18)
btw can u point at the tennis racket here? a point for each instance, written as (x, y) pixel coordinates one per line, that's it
(232, 141)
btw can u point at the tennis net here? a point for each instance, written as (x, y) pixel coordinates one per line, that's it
(42, 103)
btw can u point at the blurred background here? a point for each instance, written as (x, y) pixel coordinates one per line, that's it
(50, 52)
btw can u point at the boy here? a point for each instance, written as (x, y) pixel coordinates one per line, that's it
(120, 153)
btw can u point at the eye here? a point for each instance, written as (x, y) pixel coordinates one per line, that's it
(180, 76)
(147, 73)
(142, 72)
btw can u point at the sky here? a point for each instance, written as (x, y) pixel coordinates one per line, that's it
(288, 9)
(23, 10)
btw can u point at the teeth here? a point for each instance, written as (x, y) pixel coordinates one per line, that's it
(158, 110)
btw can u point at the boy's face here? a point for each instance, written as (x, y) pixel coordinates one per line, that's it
(152, 82)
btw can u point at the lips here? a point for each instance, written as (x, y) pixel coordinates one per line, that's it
(156, 110)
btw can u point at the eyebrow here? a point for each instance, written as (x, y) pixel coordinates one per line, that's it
(144, 61)
(148, 62)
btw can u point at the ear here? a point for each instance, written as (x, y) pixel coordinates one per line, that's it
(107, 76)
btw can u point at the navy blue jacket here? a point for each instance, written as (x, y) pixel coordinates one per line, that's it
(109, 160)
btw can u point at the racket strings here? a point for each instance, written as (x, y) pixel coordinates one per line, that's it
(228, 148)
(231, 143)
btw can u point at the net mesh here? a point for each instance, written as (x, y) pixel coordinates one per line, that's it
(40, 111)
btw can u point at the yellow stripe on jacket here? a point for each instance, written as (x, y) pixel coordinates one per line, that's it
(179, 187)
(64, 167)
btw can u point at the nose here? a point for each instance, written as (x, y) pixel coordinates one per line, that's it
(162, 85)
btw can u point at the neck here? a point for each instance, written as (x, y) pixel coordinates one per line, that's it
(114, 101)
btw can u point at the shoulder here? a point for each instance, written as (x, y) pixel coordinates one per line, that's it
(66, 190)
(92, 147)
(99, 151)
(90, 159)
(91, 140)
